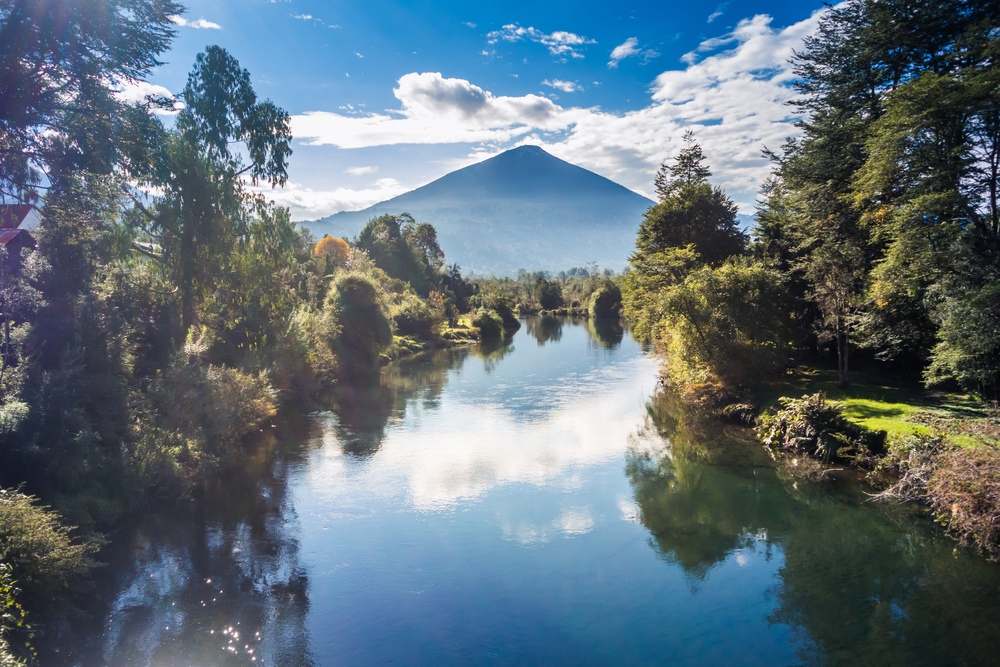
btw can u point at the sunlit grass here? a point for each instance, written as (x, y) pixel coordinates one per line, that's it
(877, 404)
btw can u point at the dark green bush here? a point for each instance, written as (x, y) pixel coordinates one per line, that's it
(606, 301)
(355, 304)
(814, 426)
(490, 325)
(412, 316)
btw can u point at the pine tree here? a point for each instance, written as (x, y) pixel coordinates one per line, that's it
(688, 167)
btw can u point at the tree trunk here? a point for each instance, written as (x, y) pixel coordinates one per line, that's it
(187, 267)
(842, 353)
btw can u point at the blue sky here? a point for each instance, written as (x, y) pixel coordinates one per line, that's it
(388, 96)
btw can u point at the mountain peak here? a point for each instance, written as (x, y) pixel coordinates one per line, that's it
(527, 148)
(523, 208)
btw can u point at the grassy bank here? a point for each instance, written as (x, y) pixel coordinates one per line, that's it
(878, 404)
(937, 449)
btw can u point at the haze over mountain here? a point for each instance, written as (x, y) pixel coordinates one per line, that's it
(522, 209)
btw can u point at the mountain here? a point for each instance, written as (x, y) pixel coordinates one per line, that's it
(522, 209)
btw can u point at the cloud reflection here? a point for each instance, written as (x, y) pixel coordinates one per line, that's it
(462, 450)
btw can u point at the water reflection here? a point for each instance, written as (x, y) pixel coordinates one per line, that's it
(607, 332)
(859, 584)
(471, 507)
(222, 584)
(545, 328)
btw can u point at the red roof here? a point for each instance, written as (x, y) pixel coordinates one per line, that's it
(8, 235)
(11, 215)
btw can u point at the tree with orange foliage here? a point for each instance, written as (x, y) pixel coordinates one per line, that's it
(334, 251)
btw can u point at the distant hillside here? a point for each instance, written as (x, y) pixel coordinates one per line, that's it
(521, 209)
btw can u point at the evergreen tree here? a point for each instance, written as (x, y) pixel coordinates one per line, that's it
(688, 167)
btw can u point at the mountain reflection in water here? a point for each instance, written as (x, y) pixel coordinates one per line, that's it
(538, 502)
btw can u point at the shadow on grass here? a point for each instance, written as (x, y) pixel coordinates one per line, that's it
(870, 396)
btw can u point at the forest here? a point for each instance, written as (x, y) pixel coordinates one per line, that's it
(168, 311)
(876, 251)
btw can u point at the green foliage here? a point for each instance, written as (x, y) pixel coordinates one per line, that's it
(812, 425)
(63, 116)
(606, 301)
(548, 293)
(695, 214)
(688, 167)
(727, 324)
(46, 558)
(365, 331)
(501, 306)
(898, 154)
(490, 325)
(404, 249)
(690, 211)
(412, 316)
(968, 346)
(13, 617)
(648, 276)
(198, 414)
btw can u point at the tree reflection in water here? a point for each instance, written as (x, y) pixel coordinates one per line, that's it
(545, 328)
(220, 585)
(858, 584)
(607, 332)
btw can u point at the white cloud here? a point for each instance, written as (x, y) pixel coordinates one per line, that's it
(719, 11)
(140, 92)
(735, 100)
(732, 90)
(303, 17)
(559, 43)
(362, 171)
(469, 24)
(628, 49)
(196, 24)
(358, 54)
(562, 86)
(434, 110)
(306, 203)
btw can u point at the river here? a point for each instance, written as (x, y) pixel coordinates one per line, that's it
(539, 503)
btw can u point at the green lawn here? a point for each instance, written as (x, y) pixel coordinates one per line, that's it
(899, 410)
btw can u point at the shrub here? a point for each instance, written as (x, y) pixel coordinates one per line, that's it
(490, 325)
(202, 410)
(304, 359)
(812, 425)
(355, 304)
(412, 316)
(12, 616)
(606, 301)
(548, 294)
(960, 486)
(964, 495)
(727, 324)
(46, 559)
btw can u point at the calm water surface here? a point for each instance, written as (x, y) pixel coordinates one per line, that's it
(537, 504)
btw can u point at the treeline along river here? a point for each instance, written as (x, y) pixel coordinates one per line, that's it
(543, 502)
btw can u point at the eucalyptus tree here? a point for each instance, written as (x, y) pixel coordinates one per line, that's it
(61, 65)
(224, 139)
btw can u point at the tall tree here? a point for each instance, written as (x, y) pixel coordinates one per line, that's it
(691, 211)
(688, 167)
(223, 135)
(60, 65)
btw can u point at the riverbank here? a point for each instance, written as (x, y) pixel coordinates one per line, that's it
(936, 449)
(897, 409)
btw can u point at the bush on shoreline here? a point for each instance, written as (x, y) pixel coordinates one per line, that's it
(961, 487)
(814, 426)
